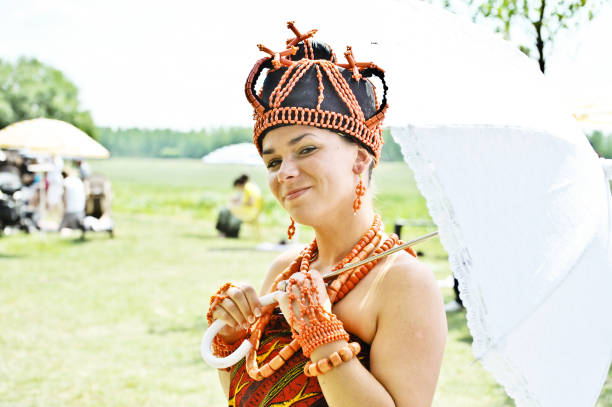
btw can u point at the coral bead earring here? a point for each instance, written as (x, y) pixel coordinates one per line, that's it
(360, 191)
(291, 229)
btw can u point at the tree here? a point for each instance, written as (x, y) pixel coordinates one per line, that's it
(543, 18)
(31, 89)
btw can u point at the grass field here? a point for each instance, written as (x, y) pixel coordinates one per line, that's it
(117, 322)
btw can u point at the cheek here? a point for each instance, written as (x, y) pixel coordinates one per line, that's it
(273, 184)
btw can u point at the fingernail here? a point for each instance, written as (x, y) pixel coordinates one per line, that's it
(257, 312)
(251, 319)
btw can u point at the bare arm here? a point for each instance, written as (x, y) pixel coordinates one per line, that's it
(406, 352)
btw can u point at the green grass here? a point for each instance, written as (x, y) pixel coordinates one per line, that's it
(117, 322)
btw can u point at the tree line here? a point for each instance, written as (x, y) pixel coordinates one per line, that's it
(167, 143)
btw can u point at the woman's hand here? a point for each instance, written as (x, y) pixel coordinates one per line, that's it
(238, 311)
(300, 280)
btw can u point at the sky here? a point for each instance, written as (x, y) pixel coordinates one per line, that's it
(182, 64)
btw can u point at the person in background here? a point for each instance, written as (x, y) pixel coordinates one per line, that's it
(244, 207)
(74, 203)
(84, 168)
(54, 185)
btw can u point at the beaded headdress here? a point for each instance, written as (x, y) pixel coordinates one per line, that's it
(305, 85)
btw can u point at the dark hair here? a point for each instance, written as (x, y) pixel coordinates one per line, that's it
(241, 180)
(65, 174)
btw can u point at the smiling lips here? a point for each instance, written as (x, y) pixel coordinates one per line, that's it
(295, 193)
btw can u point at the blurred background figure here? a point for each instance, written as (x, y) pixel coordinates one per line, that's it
(55, 185)
(98, 196)
(18, 192)
(74, 204)
(83, 167)
(245, 206)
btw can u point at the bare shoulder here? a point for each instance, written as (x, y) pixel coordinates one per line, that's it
(405, 283)
(280, 263)
(405, 273)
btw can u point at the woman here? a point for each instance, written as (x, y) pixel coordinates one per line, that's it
(375, 335)
(244, 207)
(247, 205)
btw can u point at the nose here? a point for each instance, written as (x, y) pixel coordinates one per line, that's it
(287, 170)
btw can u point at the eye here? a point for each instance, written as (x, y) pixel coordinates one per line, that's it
(273, 163)
(307, 149)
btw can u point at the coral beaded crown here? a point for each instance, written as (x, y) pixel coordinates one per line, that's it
(305, 85)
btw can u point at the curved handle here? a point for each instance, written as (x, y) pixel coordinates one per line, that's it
(238, 354)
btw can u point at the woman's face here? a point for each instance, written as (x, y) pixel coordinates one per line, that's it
(310, 172)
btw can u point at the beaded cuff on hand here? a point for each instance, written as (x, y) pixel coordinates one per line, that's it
(216, 299)
(222, 349)
(320, 333)
(322, 327)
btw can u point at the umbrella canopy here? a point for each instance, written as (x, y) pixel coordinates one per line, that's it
(242, 153)
(522, 205)
(52, 137)
(607, 165)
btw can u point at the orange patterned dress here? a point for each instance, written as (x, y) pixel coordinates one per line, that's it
(288, 386)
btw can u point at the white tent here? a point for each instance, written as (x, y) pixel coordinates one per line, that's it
(242, 153)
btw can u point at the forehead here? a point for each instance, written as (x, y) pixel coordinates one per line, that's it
(282, 136)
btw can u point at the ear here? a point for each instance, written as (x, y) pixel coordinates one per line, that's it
(362, 162)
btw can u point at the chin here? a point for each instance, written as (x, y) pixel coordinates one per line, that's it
(311, 215)
(303, 214)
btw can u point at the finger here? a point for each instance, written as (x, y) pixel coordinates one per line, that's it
(316, 276)
(231, 308)
(282, 285)
(240, 300)
(318, 282)
(296, 284)
(283, 303)
(223, 315)
(299, 276)
(253, 300)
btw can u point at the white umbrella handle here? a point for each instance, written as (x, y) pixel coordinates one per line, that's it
(238, 354)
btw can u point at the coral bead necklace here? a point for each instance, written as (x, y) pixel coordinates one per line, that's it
(369, 244)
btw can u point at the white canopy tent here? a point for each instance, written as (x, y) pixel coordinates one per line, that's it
(242, 153)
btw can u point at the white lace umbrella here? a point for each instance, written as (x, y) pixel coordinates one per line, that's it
(519, 196)
(522, 205)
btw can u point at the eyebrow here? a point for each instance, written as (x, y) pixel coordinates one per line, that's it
(291, 142)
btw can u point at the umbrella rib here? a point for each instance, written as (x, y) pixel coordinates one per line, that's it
(380, 255)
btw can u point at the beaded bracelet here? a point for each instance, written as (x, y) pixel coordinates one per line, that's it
(320, 333)
(322, 327)
(335, 359)
(222, 349)
(216, 299)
